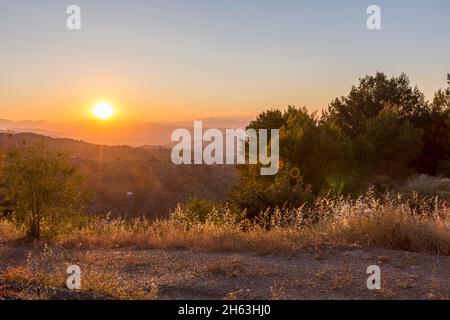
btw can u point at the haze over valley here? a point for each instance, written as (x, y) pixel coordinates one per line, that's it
(132, 133)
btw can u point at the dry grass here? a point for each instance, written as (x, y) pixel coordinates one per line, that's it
(390, 228)
(387, 223)
(230, 267)
(17, 274)
(169, 235)
(46, 271)
(111, 285)
(9, 232)
(276, 292)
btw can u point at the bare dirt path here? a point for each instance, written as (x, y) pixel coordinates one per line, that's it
(319, 272)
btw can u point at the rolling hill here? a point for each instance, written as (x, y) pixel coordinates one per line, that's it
(113, 172)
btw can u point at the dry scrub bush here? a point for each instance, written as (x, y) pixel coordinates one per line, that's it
(427, 186)
(9, 231)
(389, 222)
(391, 228)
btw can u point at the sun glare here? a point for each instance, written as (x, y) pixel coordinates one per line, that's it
(103, 110)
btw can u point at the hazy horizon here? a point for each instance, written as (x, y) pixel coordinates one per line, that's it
(160, 61)
(133, 133)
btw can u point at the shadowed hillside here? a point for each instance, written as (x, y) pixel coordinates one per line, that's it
(114, 171)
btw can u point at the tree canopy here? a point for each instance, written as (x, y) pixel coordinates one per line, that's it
(384, 129)
(43, 186)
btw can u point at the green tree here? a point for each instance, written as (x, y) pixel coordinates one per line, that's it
(270, 119)
(387, 146)
(435, 156)
(375, 93)
(255, 193)
(45, 188)
(314, 156)
(382, 131)
(371, 96)
(441, 101)
(318, 149)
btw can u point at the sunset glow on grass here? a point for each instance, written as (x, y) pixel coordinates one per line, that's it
(103, 111)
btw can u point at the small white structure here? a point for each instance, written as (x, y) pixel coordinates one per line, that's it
(130, 194)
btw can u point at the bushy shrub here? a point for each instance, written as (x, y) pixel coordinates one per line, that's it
(199, 211)
(427, 186)
(45, 192)
(384, 222)
(255, 196)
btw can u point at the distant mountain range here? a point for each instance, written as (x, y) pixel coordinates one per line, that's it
(156, 185)
(116, 133)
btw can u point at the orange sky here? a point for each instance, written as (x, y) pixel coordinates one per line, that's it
(183, 60)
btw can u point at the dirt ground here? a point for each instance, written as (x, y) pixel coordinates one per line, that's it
(314, 272)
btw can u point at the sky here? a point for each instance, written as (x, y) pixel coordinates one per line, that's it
(174, 60)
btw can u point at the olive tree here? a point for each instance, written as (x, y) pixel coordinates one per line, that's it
(44, 187)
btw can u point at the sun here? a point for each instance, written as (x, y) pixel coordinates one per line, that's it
(103, 110)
